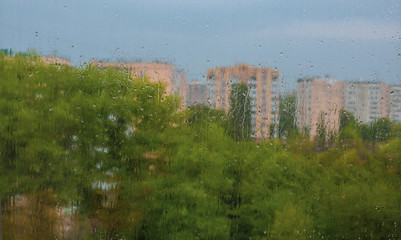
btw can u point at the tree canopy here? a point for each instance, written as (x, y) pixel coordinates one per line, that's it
(91, 153)
(239, 115)
(287, 114)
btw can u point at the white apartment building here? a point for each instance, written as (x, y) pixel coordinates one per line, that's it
(395, 103)
(367, 101)
(197, 93)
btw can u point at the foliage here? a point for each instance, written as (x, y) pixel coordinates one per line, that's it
(201, 117)
(287, 114)
(65, 129)
(378, 130)
(320, 138)
(381, 129)
(94, 154)
(239, 115)
(349, 128)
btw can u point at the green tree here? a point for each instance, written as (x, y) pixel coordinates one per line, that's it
(366, 132)
(382, 129)
(239, 114)
(291, 223)
(114, 151)
(377, 131)
(35, 130)
(201, 117)
(346, 118)
(349, 128)
(287, 125)
(320, 137)
(70, 129)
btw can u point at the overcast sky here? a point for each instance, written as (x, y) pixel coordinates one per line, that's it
(347, 40)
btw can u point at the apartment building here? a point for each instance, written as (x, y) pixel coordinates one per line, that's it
(55, 60)
(318, 100)
(173, 79)
(366, 100)
(395, 103)
(264, 90)
(197, 93)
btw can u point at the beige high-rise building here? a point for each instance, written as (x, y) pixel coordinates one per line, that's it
(167, 74)
(367, 101)
(264, 90)
(319, 100)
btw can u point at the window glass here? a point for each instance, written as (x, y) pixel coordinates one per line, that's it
(156, 119)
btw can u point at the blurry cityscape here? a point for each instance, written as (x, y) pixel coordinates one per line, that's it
(132, 150)
(200, 120)
(317, 98)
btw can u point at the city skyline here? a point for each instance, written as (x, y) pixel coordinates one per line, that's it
(346, 40)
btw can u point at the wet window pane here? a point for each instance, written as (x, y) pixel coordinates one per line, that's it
(200, 119)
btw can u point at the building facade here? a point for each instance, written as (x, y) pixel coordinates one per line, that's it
(197, 93)
(173, 80)
(55, 60)
(264, 89)
(319, 100)
(395, 103)
(367, 101)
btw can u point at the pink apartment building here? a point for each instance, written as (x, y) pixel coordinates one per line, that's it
(264, 90)
(319, 100)
(166, 74)
(55, 60)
